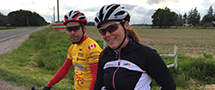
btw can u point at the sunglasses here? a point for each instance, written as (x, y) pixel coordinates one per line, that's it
(74, 28)
(110, 28)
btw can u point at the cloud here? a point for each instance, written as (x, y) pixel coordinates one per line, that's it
(4, 11)
(208, 3)
(151, 2)
(140, 15)
(91, 9)
(129, 6)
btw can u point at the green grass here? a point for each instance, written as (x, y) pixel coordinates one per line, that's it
(37, 60)
(6, 28)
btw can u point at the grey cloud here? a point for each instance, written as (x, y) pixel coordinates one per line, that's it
(150, 12)
(28, 3)
(4, 11)
(207, 4)
(150, 2)
(140, 10)
(91, 9)
(145, 11)
(141, 20)
(129, 6)
(142, 15)
(49, 18)
(83, 9)
(90, 18)
(154, 1)
(67, 7)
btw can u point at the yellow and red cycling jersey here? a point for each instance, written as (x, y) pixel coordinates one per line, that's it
(82, 55)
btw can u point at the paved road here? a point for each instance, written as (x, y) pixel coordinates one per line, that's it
(8, 34)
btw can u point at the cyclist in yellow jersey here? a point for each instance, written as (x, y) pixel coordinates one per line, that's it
(83, 54)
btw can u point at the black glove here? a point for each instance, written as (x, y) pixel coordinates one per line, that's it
(46, 88)
(32, 88)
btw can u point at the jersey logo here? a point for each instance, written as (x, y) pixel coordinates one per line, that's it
(91, 46)
(126, 64)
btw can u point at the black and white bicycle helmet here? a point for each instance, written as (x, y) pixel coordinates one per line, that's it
(75, 16)
(113, 12)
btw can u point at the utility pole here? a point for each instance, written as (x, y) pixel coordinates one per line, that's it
(58, 20)
(27, 21)
(53, 14)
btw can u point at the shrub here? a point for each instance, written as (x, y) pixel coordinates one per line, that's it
(206, 25)
(196, 25)
(207, 55)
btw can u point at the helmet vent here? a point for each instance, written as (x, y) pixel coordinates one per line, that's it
(70, 12)
(111, 11)
(120, 13)
(75, 15)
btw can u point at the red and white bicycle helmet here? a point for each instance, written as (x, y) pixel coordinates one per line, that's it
(113, 12)
(75, 16)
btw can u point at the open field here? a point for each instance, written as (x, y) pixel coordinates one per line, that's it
(190, 42)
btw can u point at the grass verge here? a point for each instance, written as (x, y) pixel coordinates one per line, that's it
(36, 61)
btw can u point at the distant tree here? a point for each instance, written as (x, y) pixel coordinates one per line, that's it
(3, 20)
(91, 24)
(210, 16)
(164, 18)
(180, 20)
(25, 18)
(194, 17)
(210, 11)
(184, 19)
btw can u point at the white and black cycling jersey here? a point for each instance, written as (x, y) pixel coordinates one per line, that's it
(132, 69)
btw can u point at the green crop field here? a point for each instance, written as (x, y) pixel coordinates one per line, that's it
(190, 42)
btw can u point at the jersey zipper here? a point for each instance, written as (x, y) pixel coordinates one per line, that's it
(119, 60)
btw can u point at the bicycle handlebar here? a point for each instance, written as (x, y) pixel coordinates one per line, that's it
(35, 89)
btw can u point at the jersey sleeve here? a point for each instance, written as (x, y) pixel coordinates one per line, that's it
(157, 69)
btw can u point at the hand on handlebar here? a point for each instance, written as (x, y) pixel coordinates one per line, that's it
(46, 88)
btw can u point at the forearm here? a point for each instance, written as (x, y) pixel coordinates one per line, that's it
(93, 69)
(62, 72)
(99, 78)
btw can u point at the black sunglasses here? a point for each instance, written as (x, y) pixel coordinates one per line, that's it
(74, 28)
(110, 28)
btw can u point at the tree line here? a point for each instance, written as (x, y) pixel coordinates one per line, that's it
(164, 18)
(22, 18)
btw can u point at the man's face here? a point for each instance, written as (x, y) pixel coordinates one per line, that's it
(75, 31)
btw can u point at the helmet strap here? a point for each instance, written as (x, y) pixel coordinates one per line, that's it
(122, 23)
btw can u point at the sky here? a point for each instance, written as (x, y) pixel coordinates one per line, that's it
(140, 10)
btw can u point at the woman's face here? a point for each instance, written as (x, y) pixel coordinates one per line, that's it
(114, 38)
